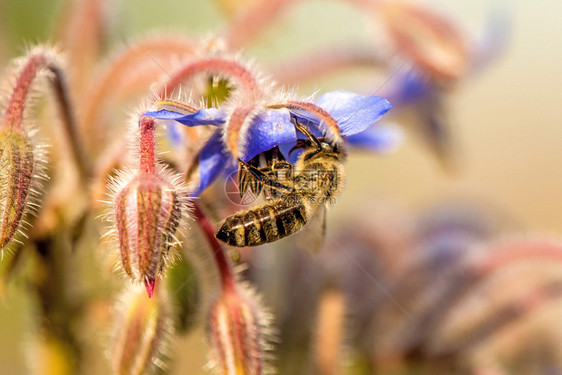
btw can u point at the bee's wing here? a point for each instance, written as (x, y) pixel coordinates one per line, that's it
(311, 237)
(248, 181)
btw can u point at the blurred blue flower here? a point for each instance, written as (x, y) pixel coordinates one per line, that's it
(273, 127)
(416, 90)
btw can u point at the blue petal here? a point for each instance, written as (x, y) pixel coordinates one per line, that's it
(174, 134)
(409, 87)
(206, 116)
(354, 113)
(310, 121)
(213, 159)
(268, 129)
(380, 138)
(294, 156)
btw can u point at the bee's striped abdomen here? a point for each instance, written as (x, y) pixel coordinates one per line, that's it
(268, 223)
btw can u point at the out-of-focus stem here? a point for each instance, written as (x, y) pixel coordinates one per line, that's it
(217, 250)
(329, 329)
(325, 61)
(110, 83)
(508, 314)
(525, 251)
(58, 308)
(69, 123)
(468, 274)
(249, 23)
(83, 48)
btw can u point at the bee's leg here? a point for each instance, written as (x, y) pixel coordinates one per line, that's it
(247, 181)
(301, 143)
(277, 154)
(265, 179)
(273, 156)
(303, 129)
(311, 137)
(280, 165)
(242, 180)
(282, 171)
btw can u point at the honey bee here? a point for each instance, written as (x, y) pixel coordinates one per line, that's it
(303, 193)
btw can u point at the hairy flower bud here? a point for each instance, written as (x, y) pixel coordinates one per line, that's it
(238, 332)
(147, 212)
(147, 209)
(141, 333)
(17, 168)
(20, 158)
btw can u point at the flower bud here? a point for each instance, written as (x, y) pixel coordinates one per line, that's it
(147, 212)
(17, 168)
(20, 158)
(238, 332)
(141, 333)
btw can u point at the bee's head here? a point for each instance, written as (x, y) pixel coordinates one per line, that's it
(335, 149)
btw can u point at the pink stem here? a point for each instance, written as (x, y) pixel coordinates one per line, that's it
(147, 146)
(312, 108)
(238, 118)
(219, 254)
(524, 251)
(13, 117)
(110, 85)
(231, 69)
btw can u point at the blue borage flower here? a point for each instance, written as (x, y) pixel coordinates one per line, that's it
(273, 127)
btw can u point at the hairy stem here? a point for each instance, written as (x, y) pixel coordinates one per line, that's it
(13, 117)
(38, 60)
(147, 146)
(317, 111)
(239, 117)
(242, 76)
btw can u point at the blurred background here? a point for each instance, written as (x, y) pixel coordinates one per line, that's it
(506, 120)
